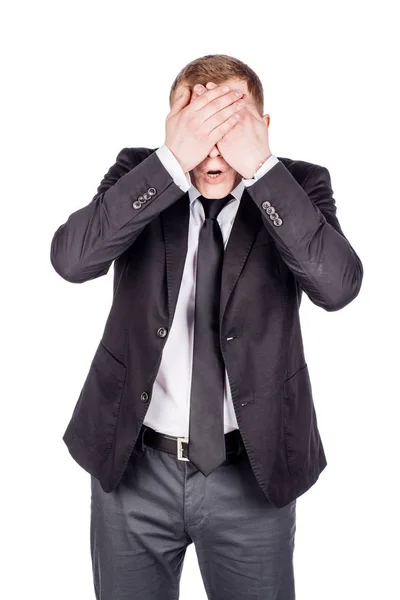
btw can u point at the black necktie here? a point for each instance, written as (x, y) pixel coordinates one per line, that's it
(206, 448)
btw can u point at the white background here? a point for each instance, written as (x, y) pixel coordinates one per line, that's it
(82, 80)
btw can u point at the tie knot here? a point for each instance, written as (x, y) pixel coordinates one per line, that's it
(213, 206)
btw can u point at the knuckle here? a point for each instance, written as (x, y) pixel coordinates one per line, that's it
(232, 113)
(214, 121)
(219, 117)
(224, 128)
(192, 121)
(215, 104)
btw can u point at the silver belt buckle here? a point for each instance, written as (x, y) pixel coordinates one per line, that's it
(179, 454)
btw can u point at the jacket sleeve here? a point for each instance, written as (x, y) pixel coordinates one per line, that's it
(308, 235)
(129, 197)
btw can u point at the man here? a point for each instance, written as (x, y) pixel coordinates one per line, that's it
(196, 420)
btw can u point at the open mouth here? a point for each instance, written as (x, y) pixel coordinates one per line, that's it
(214, 174)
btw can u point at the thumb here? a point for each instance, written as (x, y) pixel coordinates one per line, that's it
(181, 101)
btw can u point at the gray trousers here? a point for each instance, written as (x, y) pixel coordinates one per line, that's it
(140, 531)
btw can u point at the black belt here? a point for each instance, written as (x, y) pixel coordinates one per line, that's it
(178, 446)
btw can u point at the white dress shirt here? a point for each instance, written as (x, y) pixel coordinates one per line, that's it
(169, 408)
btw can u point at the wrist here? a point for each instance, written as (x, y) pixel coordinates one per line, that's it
(259, 163)
(183, 166)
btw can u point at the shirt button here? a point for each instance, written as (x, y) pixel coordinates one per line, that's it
(144, 397)
(162, 332)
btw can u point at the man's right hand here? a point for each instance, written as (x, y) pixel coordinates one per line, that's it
(192, 128)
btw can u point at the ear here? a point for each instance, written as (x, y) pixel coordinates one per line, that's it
(266, 119)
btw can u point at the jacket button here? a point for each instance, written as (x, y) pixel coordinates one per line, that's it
(144, 397)
(162, 332)
(266, 204)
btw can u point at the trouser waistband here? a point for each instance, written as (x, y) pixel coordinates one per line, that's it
(180, 446)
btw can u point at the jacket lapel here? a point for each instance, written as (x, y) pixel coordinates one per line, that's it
(244, 230)
(175, 221)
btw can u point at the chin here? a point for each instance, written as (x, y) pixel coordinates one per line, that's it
(215, 191)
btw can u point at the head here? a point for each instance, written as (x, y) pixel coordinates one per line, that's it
(220, 69)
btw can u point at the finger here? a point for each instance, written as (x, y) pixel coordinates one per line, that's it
(193, 96)
(196, 93)
(217, 133)
(220, 109)
(199, 89)
(181, 101)
(210, 95)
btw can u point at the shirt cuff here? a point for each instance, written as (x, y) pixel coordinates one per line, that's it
(265, 167)
(174, 168)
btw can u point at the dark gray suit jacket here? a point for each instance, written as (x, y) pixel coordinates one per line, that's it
(139, 219)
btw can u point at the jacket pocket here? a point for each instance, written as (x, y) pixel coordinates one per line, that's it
(299, 420)
(96, 412)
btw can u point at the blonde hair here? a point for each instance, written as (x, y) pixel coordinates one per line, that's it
(219, 68)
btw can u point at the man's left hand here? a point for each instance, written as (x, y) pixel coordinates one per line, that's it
(246, 146)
